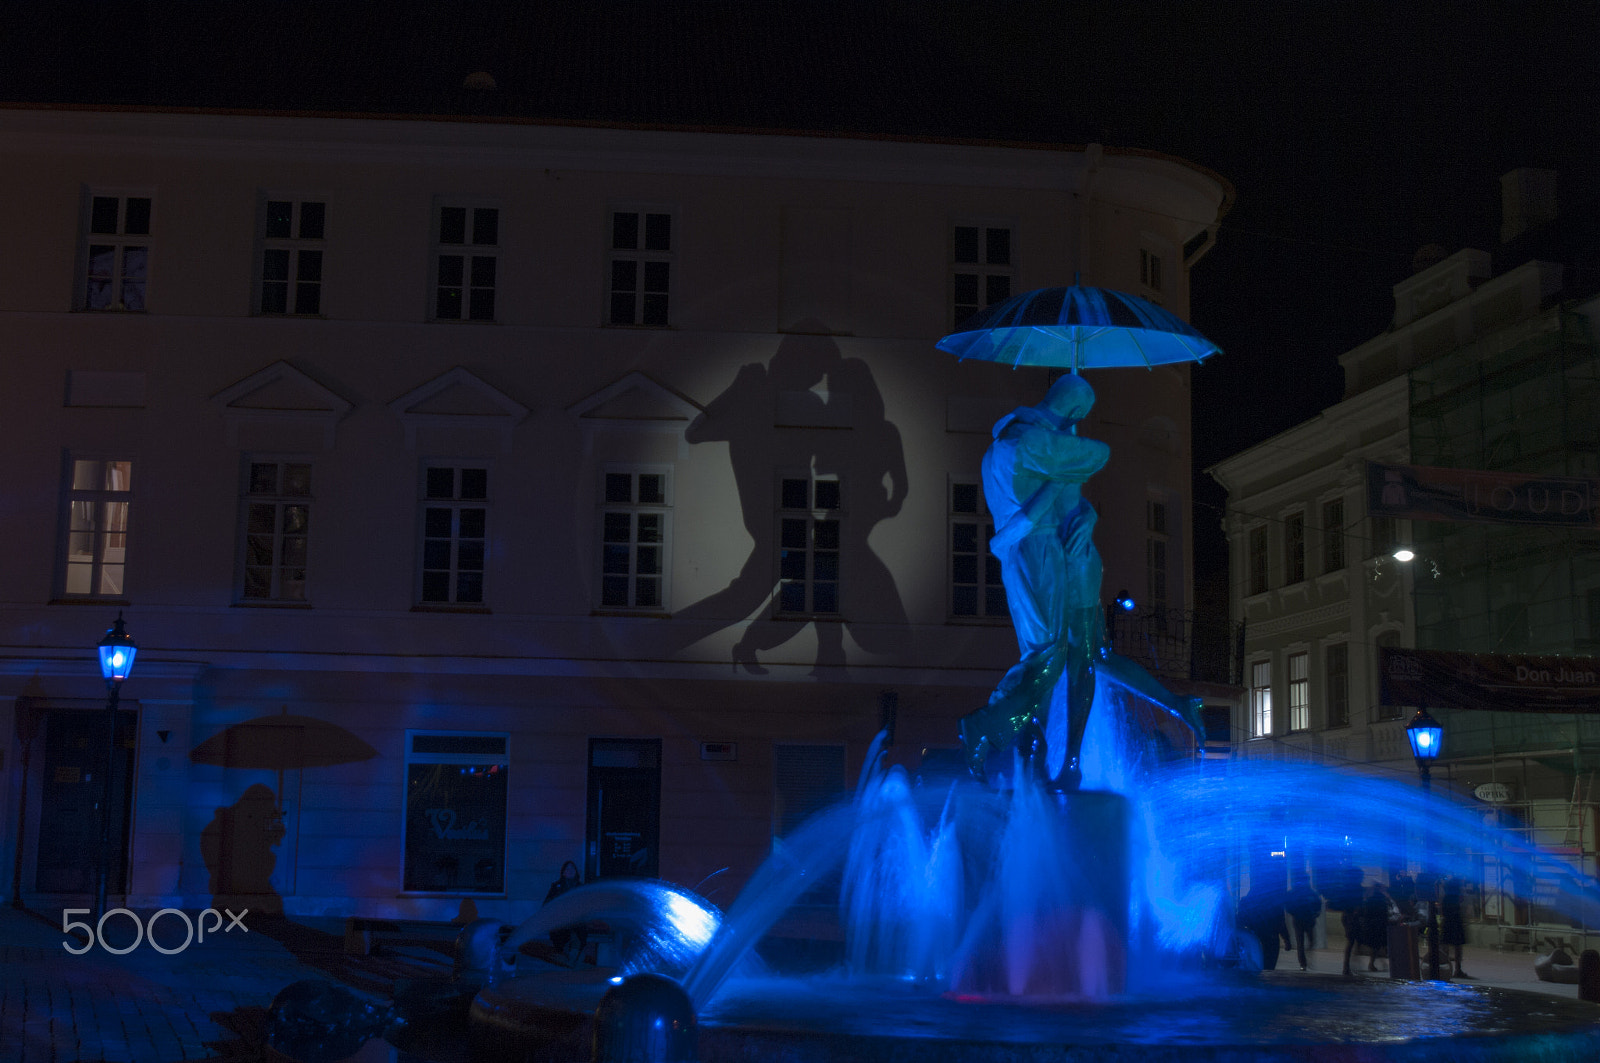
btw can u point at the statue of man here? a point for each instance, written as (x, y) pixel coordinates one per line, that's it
(1033, 476)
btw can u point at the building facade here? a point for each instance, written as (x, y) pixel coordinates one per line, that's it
(487, 494)
(1479, 370)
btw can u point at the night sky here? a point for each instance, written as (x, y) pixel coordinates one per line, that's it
(1353, 132)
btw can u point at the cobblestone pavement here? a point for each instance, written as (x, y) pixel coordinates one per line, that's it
(207, 1002)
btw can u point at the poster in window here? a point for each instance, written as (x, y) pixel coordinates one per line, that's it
(455, 828)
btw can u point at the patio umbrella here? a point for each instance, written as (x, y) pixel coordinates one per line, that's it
(282, 743)
(1078, 328)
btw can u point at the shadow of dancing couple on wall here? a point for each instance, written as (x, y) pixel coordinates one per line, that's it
(809, 415)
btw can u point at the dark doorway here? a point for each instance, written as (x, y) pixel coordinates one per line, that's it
(624, 828)
(71, 791)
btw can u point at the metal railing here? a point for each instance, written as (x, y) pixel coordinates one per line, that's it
(1179, 644)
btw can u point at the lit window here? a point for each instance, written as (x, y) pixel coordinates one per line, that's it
(99, 497)
(982, 269)
(291, 257)
(116, 253)
(454, 534)
(641, 268)
(455, 826)
(808, 546)
(277, 520)
(634, 526)
(1299, 691)
(466, 262)
(976, 589)
(1260, 699)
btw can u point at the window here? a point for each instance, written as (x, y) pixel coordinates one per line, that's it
(633, 540)
(291, 257)
(1390, 639)
(1258, 559)
(465, 263)
(1294, 548)
(975, 586)
(808, 546)
(1333, 535)
(1336, 672)
(277, 516)
(641, 268)
(1383, 536)
(1299, 691)
(982, 268)
(1150, 269)
(117, 253)
(1260, 699)
(1156, 562)
(806, 780)
(455, 825)
(454, 534)
(98, 499)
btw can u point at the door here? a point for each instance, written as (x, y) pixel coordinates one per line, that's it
(624, 821)
(72, 790)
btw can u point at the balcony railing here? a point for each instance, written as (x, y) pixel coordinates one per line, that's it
(1179, 644)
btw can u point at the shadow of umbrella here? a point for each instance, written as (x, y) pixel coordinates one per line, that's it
(281, 743)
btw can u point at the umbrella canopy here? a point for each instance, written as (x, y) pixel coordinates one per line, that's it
(1078, 328)
(282, 743)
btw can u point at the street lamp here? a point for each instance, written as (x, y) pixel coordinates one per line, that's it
(1425, 736)
(117, 651)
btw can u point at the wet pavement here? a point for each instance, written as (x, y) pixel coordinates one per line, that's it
(209, 1000)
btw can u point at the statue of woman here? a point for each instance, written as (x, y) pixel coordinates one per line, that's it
(1033, 475)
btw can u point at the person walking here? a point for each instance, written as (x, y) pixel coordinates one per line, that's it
(1305, 908)
(1452, 930)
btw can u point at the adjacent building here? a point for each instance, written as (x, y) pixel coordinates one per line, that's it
(488, 493)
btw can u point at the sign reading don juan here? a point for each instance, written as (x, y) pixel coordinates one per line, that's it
(1421, 492)
(1507, 682)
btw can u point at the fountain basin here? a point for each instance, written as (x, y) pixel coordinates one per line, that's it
(1234, 1018)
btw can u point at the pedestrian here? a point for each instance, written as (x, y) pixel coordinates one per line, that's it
(571, 941)
(1452, 930)
(1261, 913)
(1304, 907)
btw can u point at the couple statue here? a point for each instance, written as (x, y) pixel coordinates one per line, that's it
(1033, 476)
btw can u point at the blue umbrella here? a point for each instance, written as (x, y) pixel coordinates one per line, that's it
(1078, 328)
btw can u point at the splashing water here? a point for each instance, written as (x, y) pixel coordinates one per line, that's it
(661, 927)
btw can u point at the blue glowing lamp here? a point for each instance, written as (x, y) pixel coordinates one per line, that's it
(1425, 736)
(1125, 602)
(116, 653)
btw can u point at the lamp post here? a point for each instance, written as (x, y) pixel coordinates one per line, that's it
(1425, 736)
(117, 651)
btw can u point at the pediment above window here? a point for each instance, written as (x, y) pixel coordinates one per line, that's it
(457, 402)
(281, 397)
(636, 402)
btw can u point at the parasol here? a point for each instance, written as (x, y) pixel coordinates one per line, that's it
(282, 743)
(1078, 328)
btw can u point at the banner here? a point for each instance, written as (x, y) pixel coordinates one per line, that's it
(1420, 492)
(1505, 682)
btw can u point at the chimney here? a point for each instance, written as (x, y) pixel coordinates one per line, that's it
(1527, 200)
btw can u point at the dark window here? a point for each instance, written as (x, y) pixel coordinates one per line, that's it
(1333, 535)
(117, 253)
(641, 269)
(1336, 672)
(982, 269)
(1258, 560)
(466, 265)
(454, 534)
(291, 257)
(1294, 548)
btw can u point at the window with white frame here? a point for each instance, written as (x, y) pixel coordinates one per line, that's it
(1333, 535)
(1294, 548)
(116, 252)
(808, 545)
(455, 517)
(99, 497)
(1336, 677)
(1260, 698)
(277, 521)
(982, 268)
(1150, 269)
(291, 257)
(1257, 559)
(634, 527)
(1156, 547)
(641, 268)
(976, 589)
(466, 262)
(1299, 691)
(455, 825)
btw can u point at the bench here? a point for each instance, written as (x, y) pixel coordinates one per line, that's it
(364, 934)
